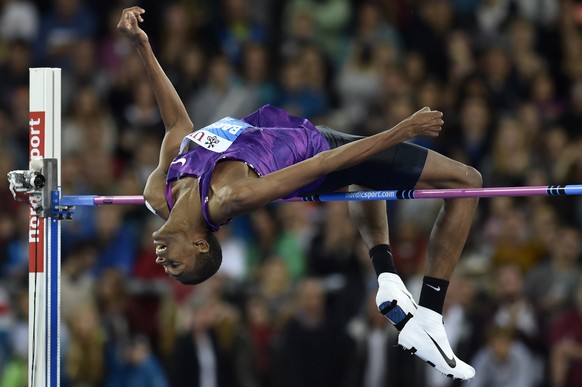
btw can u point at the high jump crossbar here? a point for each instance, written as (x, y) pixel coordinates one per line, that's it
(42, 185)
(487, 192)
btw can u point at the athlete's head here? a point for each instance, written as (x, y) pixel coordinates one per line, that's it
(189, 259)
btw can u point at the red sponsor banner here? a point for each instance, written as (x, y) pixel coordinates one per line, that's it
(35, 243)
(36, 224)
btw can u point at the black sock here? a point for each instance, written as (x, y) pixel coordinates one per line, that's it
(382, 259)
(432, 294)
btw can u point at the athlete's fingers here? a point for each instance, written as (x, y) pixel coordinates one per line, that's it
(138, 12)
(134, 12)
(132, 19)
(433, 115)
(435, 131)
(437, 122)
(125, 21)
(137, 9)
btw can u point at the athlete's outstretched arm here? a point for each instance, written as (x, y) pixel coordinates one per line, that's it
(174, 114)
(245, 195)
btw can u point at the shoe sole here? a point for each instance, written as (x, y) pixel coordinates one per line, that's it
(413, 351)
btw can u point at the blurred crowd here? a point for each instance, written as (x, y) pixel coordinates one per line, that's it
(293, 304)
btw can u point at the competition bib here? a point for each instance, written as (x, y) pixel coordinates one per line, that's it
(218, 136)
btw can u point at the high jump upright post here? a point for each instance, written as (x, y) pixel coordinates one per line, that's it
(44, 231)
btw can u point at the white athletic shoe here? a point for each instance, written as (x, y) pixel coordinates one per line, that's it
(393, 299)
(424, 335)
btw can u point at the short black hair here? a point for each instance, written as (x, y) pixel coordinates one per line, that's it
(207, 263)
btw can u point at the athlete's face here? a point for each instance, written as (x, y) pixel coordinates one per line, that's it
(176, 254)
(186, 254)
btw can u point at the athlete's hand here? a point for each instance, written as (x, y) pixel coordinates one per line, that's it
(128, 24)
(424, 122)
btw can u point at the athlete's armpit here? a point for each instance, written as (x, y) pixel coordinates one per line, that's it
(154, 193)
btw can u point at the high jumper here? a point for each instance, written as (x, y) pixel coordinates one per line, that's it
(234, 166)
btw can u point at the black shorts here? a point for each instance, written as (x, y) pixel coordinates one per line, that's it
(398, 167)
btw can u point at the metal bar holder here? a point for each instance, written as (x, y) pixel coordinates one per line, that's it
(39, 187)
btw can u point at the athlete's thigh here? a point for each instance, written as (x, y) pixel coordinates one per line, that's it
(443, 172)
(398, 167)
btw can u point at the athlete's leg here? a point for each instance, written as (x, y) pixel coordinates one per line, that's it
(396, 168)
(424, 334)
(370, 217)
(452, 226)
(407, 166)
(392, 299)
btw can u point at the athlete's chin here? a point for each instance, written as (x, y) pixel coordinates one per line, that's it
(186, 279)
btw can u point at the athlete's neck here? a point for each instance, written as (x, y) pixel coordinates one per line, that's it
(187, 211)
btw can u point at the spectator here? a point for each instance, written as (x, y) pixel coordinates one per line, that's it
(237, 28)
(515, 244)
(235, 270)
(89, 124)
(141, 368)
(410, 249)
(358, 82)
(19, 21)
(117, 239)
(202, 356)
(376, 363)
(14, 373)
(336, 255)
(513, 310)
(85, 357)
(504, 362)
(77, 283)
(566, 344)
(221, 96)
(295, 95)
(330, 19)
(472, 142)
(15, 70)
(550, 284)
(254, 350)
(313, 347)
(273, 284)
(427, 33)
(60, 30)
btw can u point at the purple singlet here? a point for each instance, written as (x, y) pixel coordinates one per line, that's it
(266, 140)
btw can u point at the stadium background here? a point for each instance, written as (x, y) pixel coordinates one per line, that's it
(293, 304)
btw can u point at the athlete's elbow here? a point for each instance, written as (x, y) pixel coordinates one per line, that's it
(180, 124)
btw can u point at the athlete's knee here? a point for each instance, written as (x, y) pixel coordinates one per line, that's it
(473, 178)
(463, 176)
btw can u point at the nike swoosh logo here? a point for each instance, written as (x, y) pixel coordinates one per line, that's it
(450, 361)
(437, 288)
(181, 160)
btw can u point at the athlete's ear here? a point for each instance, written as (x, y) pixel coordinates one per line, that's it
(201, 245)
